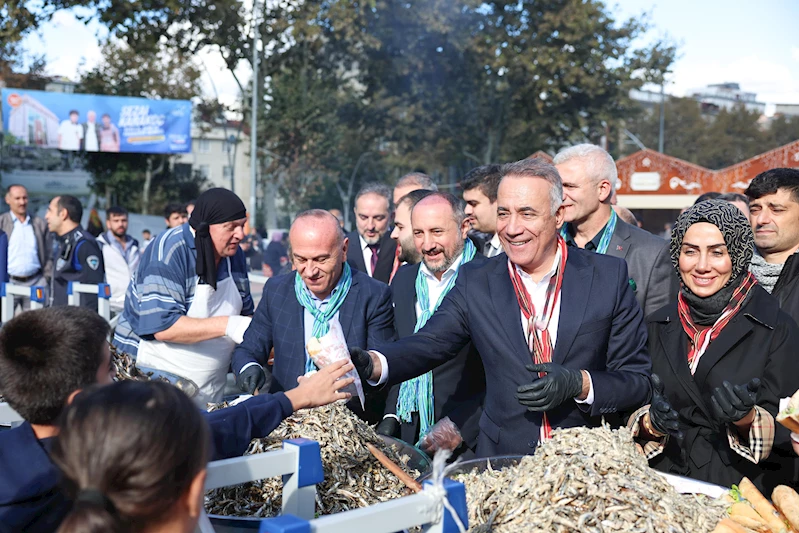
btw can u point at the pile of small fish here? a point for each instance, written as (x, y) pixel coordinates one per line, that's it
(126, 366)
(353, 477)
(211, 407)
(587, 480)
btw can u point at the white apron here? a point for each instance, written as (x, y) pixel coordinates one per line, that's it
(206, 362)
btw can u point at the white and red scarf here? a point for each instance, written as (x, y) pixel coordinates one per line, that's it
(539, 340)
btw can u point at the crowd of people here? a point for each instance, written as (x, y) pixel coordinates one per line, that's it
(528, 305)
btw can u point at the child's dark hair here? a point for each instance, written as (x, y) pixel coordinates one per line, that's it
(46, 355)
(128, 452)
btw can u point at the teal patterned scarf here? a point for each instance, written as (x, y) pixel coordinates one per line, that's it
(607, 233)
(321, 324)
(416, 395)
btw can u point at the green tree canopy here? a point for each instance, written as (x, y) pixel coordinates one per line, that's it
(712, 139)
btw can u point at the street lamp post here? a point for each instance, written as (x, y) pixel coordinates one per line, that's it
(254, 115)
(661, 132)
(231, 149)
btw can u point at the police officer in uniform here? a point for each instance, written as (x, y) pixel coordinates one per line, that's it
(78, 256)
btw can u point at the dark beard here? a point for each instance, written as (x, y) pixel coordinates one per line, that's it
(409, 256)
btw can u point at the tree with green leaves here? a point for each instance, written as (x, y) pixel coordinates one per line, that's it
(712, 139)
(144, 182)
(437, 85)
(783, 129)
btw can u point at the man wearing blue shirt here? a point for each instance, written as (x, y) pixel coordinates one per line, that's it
(190, 303)
(28, 237)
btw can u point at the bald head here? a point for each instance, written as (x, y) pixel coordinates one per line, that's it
(626, 215)
(317, 221)
(412, 182)
(441, 201)
(318, 250)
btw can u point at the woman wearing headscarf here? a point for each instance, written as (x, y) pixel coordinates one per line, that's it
(723, 354)
(190, 302)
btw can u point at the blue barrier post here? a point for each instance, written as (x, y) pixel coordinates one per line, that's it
(299, 488)
(285, 524)
(456, 495)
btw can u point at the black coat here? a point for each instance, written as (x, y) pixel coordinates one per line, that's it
(759, 342)
(601, 330)
(458, 385)
(385, 256)
(787, 288)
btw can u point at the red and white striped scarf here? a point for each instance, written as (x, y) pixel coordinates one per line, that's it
(701, 338)
(539, 340)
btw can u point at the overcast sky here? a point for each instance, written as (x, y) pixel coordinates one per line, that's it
(752, 43)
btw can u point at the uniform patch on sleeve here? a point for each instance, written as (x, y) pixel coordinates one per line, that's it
(93, 261)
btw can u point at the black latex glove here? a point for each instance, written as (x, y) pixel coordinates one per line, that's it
(544, 394)
(663, 417)
(251, 379)
(732, 403)
(389, 426)
(363, 364)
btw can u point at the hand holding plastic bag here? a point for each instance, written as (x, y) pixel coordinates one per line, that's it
(330, 348)
(444, 435)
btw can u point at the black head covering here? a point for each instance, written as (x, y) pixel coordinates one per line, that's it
(740, 241)
(214, 206)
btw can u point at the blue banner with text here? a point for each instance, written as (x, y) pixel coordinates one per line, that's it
(95, 123)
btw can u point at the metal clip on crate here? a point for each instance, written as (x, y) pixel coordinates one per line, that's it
(8, 291)
(422, 509)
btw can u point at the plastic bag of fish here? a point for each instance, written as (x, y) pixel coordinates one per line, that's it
(353, 478)
(587, 480)
(330, 348)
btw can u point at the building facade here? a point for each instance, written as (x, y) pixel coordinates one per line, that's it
(726, 96)
(221, 153)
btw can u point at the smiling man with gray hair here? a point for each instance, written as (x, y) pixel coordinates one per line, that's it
(561, 337)
(589, 177)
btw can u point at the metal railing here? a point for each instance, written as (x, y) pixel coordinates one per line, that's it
(38, 297)
(102, 290)
(9, 417)
(8, 292)
(425, 509)
(299, 463)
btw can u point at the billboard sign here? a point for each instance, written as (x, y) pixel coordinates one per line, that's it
(95, 123)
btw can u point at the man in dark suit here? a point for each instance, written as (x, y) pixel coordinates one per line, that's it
(440, 229)
(571, 312)
(589, 178)
(323, 289)
(480, 194)
(371, 247)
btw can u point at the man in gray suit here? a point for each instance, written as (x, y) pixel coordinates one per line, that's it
(589, 177)
(29, 263)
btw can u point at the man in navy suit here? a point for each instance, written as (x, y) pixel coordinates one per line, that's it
(560, 334)
(457, 389)
(324, 289)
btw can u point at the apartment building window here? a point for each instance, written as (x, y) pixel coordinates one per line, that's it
(204, 146)
(227, 172)
(204, 171)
